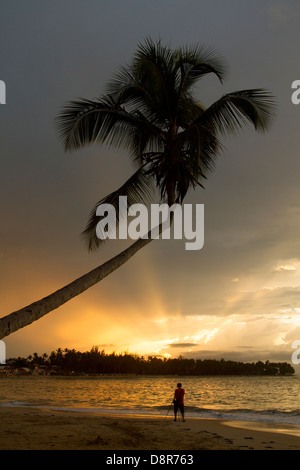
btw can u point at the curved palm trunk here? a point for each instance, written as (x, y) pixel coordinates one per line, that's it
(27, 315)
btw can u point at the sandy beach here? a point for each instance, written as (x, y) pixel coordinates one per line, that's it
(41, 429)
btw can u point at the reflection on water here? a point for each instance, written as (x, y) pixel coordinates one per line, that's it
(243, 398)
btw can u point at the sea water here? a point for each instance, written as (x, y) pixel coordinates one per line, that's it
(259, 398)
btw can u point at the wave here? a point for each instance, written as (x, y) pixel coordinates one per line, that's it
(272, 416)
(14, 403)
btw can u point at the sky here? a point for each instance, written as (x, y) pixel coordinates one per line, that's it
(239, 296)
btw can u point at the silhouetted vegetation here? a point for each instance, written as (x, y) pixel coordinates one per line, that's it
(69, 361)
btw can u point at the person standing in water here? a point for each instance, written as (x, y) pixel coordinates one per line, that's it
(179, 401)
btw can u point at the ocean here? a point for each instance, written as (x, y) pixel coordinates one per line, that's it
(264, 399)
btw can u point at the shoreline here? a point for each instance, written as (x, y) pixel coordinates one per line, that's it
(24, 428)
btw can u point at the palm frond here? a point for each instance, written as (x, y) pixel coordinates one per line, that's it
(137, 189)
(196, 62)
(155, 68)
(198, 150)
(104, 121)
(230, 112)
(83, 121)
(127, 90)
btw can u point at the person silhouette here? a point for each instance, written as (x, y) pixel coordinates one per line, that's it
(179, 401)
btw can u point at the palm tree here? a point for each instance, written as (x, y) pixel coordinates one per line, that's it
(150, 110)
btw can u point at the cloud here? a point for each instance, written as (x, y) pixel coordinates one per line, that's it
(182, 345)
(280, 354)
(286, 268)
(292, 335)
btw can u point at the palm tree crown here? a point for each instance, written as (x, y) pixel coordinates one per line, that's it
(150, 110)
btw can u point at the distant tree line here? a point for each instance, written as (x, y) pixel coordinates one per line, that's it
(95, 361)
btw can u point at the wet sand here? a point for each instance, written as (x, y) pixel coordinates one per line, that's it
(44, 429)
